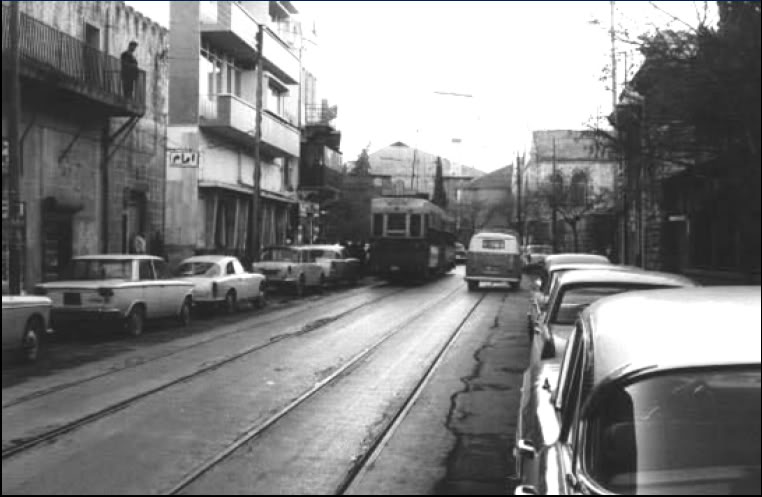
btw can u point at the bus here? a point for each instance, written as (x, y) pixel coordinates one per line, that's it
(411, 238)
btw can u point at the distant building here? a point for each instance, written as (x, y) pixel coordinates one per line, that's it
(92, 152)
(580, 163)
(486, 202)
(213, 112)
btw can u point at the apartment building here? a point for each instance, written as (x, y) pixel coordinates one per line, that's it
(92, 156)
(212, 116)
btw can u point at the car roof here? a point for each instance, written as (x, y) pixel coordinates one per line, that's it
(675, 328)
(209, 258)
(322, 247)
(117, 257)
(574, 257)
(493, 234)
(589, 266)
(624, 275)
(286, 247)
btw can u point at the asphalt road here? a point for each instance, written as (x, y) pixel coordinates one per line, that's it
(378, 389)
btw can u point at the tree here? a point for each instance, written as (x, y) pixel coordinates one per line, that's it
(362, 166)
(440, 196)
(574, 201)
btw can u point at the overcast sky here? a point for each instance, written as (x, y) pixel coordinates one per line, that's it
(526, 65)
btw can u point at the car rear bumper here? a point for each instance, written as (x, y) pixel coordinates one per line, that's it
(494, 279)
(63, 316)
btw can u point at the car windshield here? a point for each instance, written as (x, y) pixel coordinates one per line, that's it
(575, 300)
(280, 255)
(540, 249)
(99, 269)
(197, 269)
(690, 432)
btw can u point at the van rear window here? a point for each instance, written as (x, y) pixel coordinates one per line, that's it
(493, 244)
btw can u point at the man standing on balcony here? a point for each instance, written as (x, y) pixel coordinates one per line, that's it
(129, 69)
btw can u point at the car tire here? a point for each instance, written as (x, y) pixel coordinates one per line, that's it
(184, 317)
(231, 302)
(261, 300)
(135, 322)
(30, 342)
(473, 286)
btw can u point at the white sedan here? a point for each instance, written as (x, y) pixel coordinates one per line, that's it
(25, 322)
(220, 280)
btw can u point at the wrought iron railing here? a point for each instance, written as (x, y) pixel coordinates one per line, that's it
(49, 49)
(320, 114)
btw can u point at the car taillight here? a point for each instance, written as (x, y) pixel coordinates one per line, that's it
(39, 290)
(214, 290)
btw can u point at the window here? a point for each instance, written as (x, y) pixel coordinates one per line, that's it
(145, 270)
(378, 224)
(162, 270)
(276, 99)
(396, 223)
(579, 188)
(415, 225)
(229, 269)
(493, 244)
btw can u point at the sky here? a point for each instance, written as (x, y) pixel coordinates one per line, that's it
(470, 80)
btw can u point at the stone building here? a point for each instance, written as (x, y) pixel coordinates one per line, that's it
(486, 202)
(581, 166)
(92, 155)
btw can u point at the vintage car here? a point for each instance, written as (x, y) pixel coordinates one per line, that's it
(460, 253)
(291, 267)
(534, 255)
(493, 257)
(221, 281)
(336, 263)
(575, 290)
(543, 281)
(122, 289)
(574, 257)
(658, 393)
(25, 323)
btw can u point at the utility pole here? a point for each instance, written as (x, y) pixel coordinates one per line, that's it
(613, 58)
(256, 200)
(15, 214)
(519, 173)
(554, 186)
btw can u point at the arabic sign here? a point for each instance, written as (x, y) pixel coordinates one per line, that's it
(181, 157)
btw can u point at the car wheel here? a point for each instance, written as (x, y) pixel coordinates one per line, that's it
(135, 321)
(473, 286)
(30, 343)
(231, 303)
(261, 300)
(184, 317)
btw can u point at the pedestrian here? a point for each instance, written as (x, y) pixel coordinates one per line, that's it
(129, 69)
(139, 244)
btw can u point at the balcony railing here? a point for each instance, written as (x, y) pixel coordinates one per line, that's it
(320, 114)
(88, 71)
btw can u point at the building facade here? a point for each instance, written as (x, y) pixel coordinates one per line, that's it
(213, 113)
(92, 155)
(575, 166)
(486, 202)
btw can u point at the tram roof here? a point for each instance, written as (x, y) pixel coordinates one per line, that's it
(405, 204)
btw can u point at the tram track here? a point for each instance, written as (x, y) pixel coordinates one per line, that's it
(379, 441)
(322, 320)
(23, 445)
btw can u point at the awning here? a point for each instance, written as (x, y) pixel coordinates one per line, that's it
(247, 190)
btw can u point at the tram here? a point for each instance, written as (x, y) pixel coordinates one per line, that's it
(411, 238)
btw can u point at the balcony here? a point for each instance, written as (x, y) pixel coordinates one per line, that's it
(50, 56)
(235, 119)
(233, 30)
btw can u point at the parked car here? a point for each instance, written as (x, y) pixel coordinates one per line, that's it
(337, 265)
(221, 281)
(574, 257)
(122, 289)
(545, 278)
(658, 392)
(575, 290)
(291, 267)
(460, 253)
(493, 257)
(25, 323)
(534, 255)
